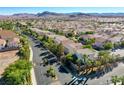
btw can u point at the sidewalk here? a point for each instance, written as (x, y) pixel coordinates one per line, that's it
(119, 71)
(33, 79)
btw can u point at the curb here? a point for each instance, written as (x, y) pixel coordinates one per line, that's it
(33, 78)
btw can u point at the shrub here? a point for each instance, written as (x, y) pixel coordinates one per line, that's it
(18, 73)
(108, 46)
(87, 46)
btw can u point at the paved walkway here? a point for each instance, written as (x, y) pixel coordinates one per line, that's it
(56, 83)
(118, 52)
(119, 71)
(106, 79)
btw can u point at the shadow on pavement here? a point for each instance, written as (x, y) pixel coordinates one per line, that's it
(44, 53)
(2, 82)
(38, 45)
(100, 72)
(62, 70)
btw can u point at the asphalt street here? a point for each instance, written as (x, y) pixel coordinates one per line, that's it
(40, 70)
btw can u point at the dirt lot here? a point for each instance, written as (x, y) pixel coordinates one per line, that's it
(6, 58)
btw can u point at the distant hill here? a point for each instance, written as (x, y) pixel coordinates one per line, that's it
(54, 14)
(23, 15)
(3, 17)
(46, 13)
(106, 14)
(79, 14)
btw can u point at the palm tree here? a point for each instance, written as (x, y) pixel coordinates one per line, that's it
(92, 65)
(87, 61)
(98, 64)
(85, 58)
(60, 51)
(122, 80)
(69, 57)
(104, 57)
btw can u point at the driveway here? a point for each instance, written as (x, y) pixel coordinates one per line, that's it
(106, 79)
(119, 52)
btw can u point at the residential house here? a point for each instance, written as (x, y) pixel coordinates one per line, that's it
(42, 32)
(2, 43)
(13, 42)
(6, 34)
(92, 54)
(99, 41)
(11, 38)
(116, 39)
(71, 47)
(88, 36)
(61, 39)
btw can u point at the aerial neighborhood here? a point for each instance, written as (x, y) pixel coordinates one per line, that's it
(92, 38)
(51, 48)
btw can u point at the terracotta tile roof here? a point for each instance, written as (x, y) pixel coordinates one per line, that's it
(89, 52)
(6, 34)
(87, 36)
(16, 40)
(2, 41)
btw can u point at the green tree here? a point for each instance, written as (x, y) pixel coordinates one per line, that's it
(115, 79)
(88, 63)
(8, 25)
(69, 57)
(40, 38)
(24, 49)
(89, 32)
(122, 80)
(122, 44)
(60, 50)
(98, 64)
(105, 58)
(116, 45)
(89, 41)
(108, 46)
(18, 73)
(51, 72)
(87, 46)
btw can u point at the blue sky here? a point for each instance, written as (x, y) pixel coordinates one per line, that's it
(13, 10)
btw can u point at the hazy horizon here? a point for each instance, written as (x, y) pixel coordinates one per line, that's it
(34, 10)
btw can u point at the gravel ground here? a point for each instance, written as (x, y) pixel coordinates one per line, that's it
(4, 63)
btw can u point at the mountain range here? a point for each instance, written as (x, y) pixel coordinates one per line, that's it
(53, 14)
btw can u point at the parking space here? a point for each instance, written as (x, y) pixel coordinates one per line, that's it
(43, 59)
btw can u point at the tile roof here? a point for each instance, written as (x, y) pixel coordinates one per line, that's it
(6, 34)
(2, 41)
(89, 52)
